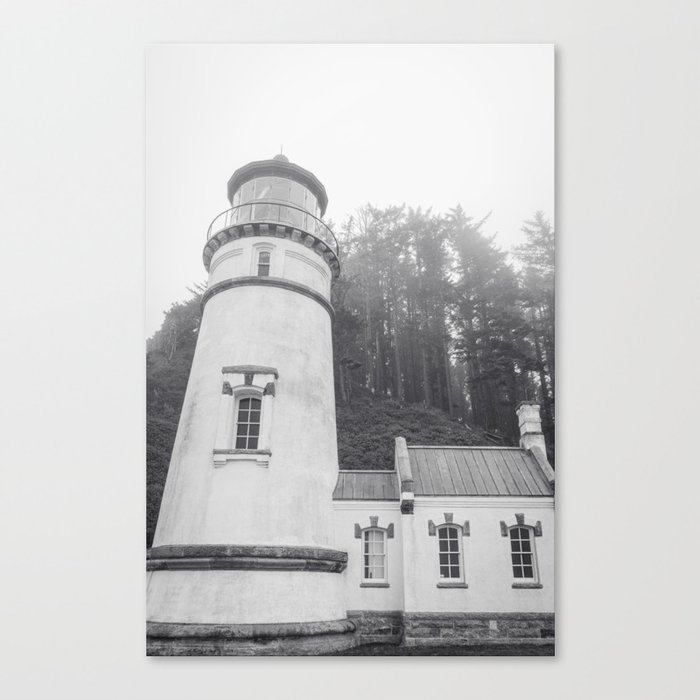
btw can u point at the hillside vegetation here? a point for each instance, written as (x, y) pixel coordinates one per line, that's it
(368, 425)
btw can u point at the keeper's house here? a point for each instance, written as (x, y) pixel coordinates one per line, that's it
(454, 546)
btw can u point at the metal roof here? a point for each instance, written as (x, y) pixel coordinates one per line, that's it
(476, 471)
(366, 486)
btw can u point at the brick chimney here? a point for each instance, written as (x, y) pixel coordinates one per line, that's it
(531, 437)
(530, 425)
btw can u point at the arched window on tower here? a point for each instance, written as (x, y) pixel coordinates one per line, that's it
(248, 423)
(264, 263)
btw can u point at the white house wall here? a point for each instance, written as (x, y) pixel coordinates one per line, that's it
(347, 514)
(486, 556)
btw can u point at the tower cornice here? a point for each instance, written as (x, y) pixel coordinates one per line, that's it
(224, 232)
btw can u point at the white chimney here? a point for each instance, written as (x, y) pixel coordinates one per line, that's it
(530, 426)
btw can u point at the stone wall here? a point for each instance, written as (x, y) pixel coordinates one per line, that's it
(377, 626)
(445, 629)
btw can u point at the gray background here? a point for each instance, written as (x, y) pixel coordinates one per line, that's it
(72, 496)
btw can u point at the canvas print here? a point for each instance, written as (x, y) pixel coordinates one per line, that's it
(350, 355)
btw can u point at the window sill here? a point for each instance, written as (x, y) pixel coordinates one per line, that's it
(260, 457)
(372, 584)
(450, 584)
(527, 585)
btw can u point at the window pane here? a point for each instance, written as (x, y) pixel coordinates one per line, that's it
(443, 559)
(262, 187)
(528, 572)
(240, 443)
(279, 188)
(252, 443)
(247, 192)
(253, 430)
(254, 404)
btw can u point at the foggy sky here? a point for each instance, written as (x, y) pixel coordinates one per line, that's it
(425, 125)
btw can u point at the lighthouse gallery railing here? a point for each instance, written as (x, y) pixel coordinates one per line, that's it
(269, 211)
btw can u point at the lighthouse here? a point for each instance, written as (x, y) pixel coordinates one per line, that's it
(244, 559)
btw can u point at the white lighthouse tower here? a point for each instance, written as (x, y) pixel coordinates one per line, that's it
(243, 559)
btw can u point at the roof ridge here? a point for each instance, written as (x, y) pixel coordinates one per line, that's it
(367, 471)
(464, 447)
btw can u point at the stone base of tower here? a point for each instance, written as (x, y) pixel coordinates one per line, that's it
(246, 600)
(284, 639)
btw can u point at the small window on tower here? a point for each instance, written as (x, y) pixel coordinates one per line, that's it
(264, 264)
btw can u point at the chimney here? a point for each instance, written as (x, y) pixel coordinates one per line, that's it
(530, 425)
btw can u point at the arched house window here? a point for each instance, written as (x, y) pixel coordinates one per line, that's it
(245, 415)
(374, 554)
(521, 533)
(450, 554)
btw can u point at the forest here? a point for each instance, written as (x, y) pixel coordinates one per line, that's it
(438, 335)
(429, 311)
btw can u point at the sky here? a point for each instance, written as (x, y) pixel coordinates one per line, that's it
(429, 125)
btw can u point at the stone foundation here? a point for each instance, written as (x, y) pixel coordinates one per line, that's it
(377, 626)
(418, 629)
(284, 639)
(452, 629)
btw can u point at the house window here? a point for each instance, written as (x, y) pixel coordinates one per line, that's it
(449, 538)
(264, 263)
(374, 555)
(248, 423)
(522, 554)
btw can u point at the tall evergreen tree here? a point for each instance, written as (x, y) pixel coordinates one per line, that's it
(537, 281)
(490, 329)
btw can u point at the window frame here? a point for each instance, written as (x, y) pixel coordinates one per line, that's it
(241, 382)
(261, 264)
(254, 260)
(460, 554)
(373, 581)
(523, 580)
(240, 397)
